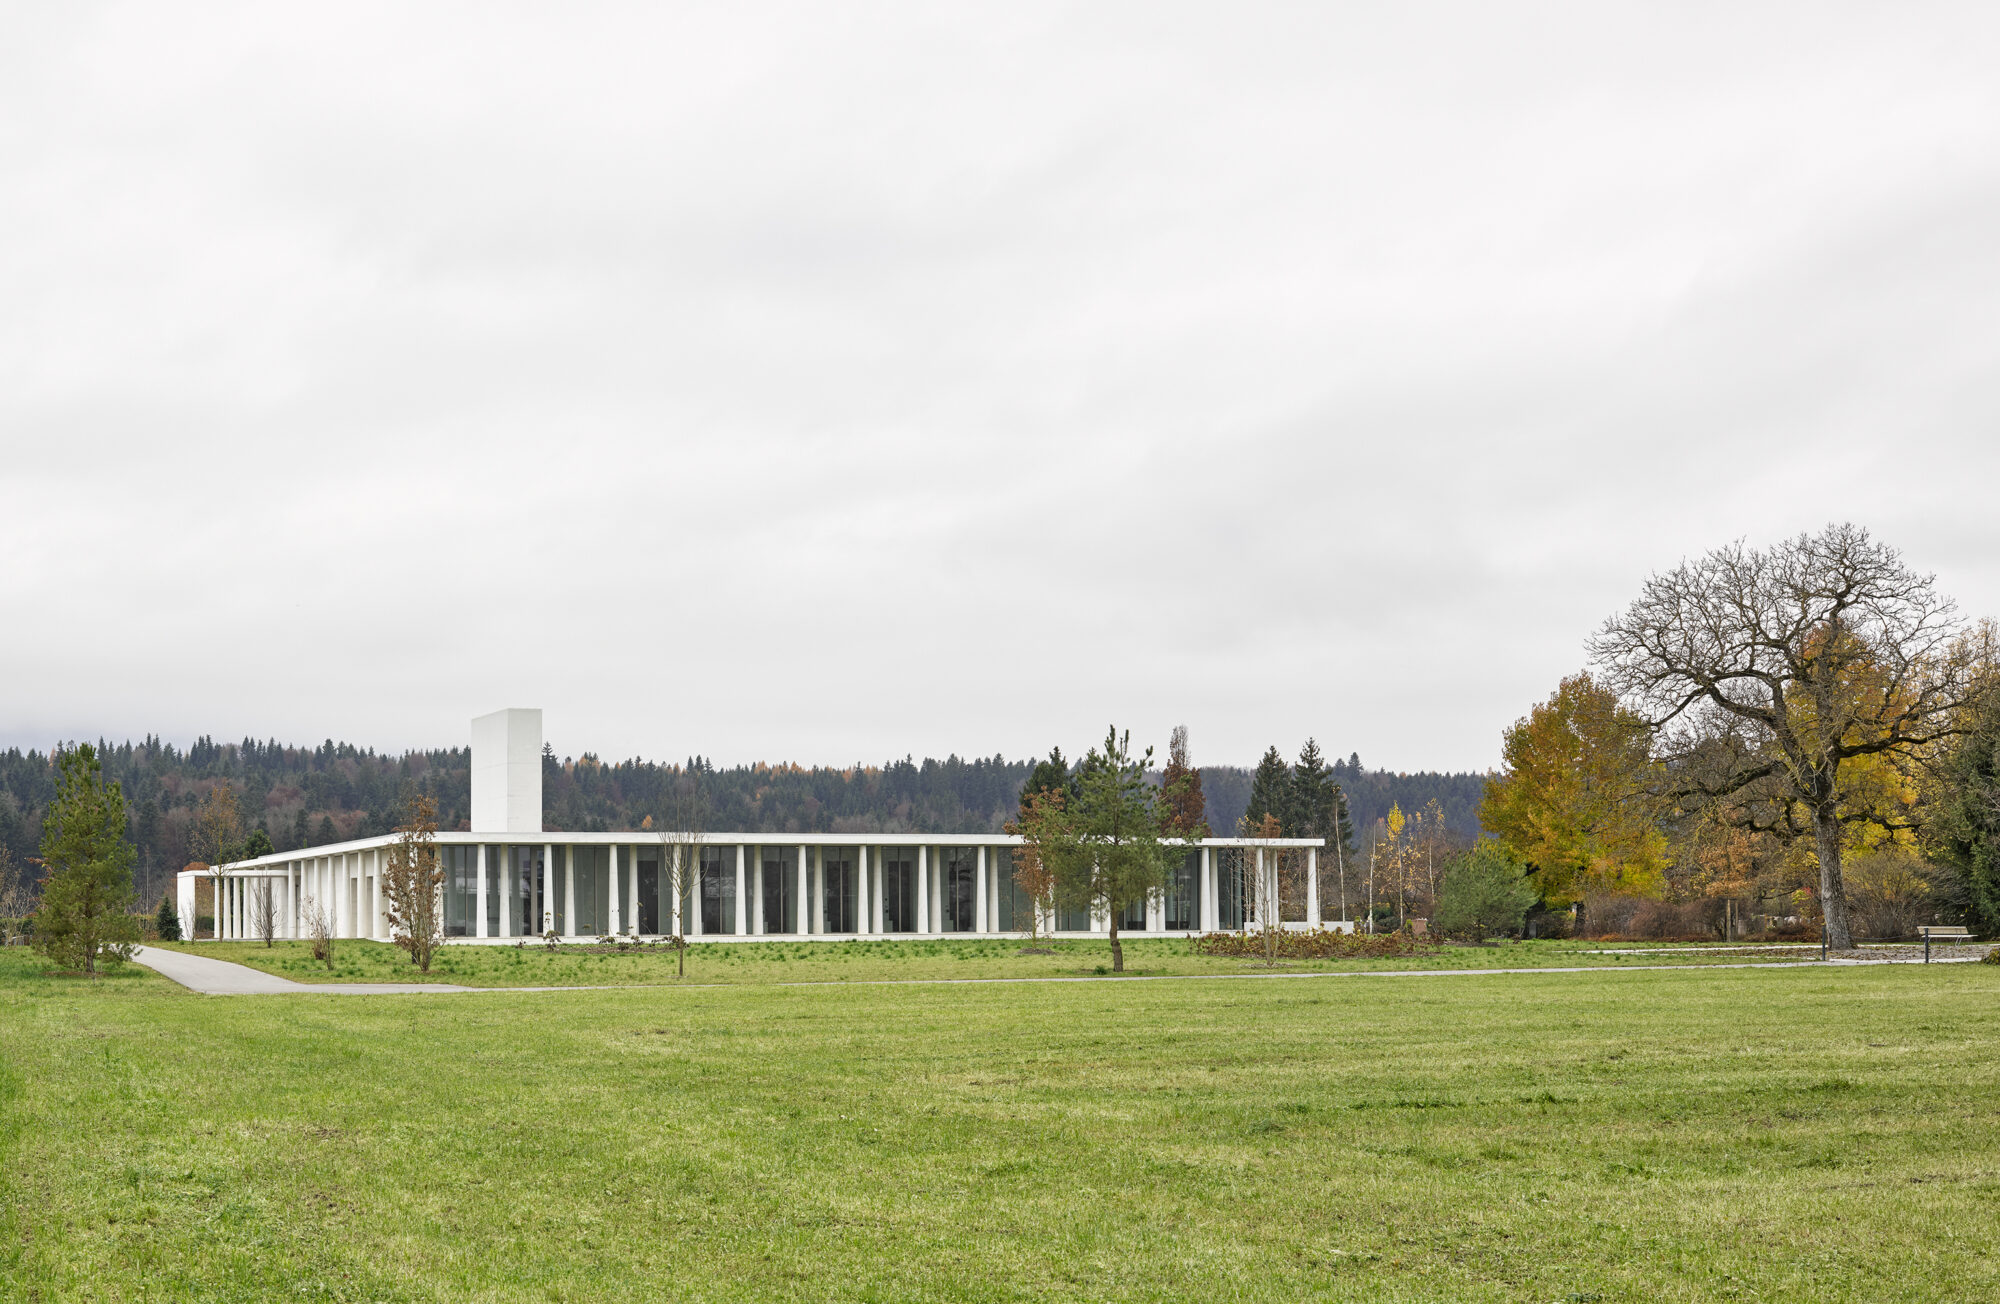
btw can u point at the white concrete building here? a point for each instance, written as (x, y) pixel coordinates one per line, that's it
(509, 879)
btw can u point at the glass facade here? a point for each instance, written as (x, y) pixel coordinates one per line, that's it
(781, 889)
(718, 889)
(839, 881)
(899, 889)
(525, 913)
(1182, 911)
(648, 861)
(957, 878)
(1231, 884)
(1010, 904)
(461, 888)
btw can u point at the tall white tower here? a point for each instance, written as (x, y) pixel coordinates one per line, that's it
(507, 771)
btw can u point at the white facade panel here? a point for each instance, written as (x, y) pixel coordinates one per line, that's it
(507, 771)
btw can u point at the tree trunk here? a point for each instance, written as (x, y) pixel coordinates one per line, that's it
(1832, 891)
(1117, 951)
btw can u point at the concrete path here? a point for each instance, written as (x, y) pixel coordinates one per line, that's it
(221, 978)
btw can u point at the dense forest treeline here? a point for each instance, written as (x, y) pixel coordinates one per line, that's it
(307, 796)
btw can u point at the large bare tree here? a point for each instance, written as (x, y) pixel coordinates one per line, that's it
(1779, 681)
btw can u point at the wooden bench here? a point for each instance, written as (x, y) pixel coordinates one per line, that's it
(1943, 933)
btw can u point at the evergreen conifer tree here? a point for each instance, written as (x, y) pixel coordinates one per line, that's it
(168, 921)
(87, 894)
(1270, 791)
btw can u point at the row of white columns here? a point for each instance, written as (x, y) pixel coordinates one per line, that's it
(348, 886)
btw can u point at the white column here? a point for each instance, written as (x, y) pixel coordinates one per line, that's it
(923, 893)
(865, 915)
(1312, 887)
(506, 891)
(1210, 911)
(695, 872)
(979, 915)
(816, 902)
(805, 877)
(378, 926)
(479, 904)
(614, 892)
(1156, 911)
(674, 912)
(742, 901)
(546, 924)
(569, 892)
(757, 889)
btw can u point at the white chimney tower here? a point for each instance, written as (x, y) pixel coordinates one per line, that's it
(507, 771)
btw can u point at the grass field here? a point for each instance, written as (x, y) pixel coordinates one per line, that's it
(1697, 1134)
(874, 961)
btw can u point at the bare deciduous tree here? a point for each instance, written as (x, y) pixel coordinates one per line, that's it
(319, 930)
(1766, 673)
(685, 817)
(1277, 884)
(263, 909)
(413, 885)
(17, 895)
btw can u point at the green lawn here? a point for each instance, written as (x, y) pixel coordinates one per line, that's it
(1696, 1134)
(764, 962)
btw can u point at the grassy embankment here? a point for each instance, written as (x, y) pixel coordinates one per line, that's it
(536, 965)
(1796, 1134)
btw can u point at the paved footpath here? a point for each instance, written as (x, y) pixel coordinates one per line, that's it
(222, 978)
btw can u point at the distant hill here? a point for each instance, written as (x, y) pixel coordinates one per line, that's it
(306, 796)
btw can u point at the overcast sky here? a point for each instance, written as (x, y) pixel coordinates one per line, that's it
(833, 381)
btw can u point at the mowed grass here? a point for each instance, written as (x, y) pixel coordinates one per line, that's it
(1696, 1134)
(536, 965)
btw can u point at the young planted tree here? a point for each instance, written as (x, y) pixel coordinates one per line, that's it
(413, 885)
(85, 915)
(1033, 879)
(319, 930)
(1771, 672)
(685, 818)
(263, 909)
(1109, 849)
(1277, 884)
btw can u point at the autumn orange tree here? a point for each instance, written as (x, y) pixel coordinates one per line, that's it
(413, 885)
(1574, 799)
(1041, 810)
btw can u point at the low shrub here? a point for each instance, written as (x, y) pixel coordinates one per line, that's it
(1319, 944)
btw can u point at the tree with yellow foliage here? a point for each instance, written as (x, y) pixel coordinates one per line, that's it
(1574, 799)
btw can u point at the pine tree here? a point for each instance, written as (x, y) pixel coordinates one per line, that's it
(1270, 791)
(87, 894)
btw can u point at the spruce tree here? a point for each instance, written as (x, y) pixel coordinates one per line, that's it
(87, 894)
(1313, 797)
(167, 923)
(1967, 827)
(1270, 791)
(1051, 775)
